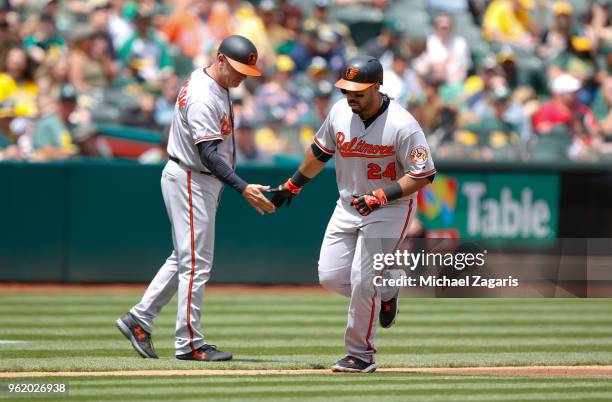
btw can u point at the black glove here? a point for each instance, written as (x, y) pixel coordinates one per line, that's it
(284, 192)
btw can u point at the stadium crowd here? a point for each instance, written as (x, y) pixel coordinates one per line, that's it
(487, 80)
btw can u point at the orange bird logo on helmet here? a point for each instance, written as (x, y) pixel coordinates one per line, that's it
(351, 72)
(252, 59)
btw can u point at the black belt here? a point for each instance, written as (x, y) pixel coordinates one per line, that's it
(177, 160)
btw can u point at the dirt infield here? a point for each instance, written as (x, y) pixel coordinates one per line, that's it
(8, 288)
(519, 371)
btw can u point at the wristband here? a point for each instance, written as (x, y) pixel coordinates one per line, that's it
(393, 192)
(298, 179)
(291, 187)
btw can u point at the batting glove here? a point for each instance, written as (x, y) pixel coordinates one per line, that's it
(285, 192)
(366, 203)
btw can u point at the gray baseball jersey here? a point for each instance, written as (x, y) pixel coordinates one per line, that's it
(376, 156)
(367, 158)
(203, 112)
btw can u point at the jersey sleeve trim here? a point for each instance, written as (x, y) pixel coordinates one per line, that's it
(422, 175)
(322, 147)
(207, 138)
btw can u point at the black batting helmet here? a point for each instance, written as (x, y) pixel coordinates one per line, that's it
(360, 73)
(241, 54)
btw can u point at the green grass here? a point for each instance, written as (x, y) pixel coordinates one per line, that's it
(379, 387)
(71, 332)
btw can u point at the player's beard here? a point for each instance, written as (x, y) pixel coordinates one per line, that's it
(361, 106)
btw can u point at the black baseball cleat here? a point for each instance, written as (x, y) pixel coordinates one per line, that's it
(350, 364)
(208, 353)
(140, 339)
(388, 312)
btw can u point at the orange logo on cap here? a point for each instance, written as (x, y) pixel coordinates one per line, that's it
(351, 72)
(252, 59)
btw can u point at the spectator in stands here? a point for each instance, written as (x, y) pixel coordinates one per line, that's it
(91, 66)
(604, 114)
(320, 19)
(478, 87)
(119, 27)
(514, 113)
(557, 39)
(599, 28)
(99, 22)
(275, 99)
(401, 81)
(507, 62)
(146, 52)
(8, 39)
(446, 51)
(305, 84)
(44, 39)
(578, 62)
(250, 25)
(386, 44)
(311, 121)
(52, 79)
(291, 23)
(565, 110)
(13, 22)
(498, 137)
(280, 107)
(189, 28)
(509, 22)
(246, 147)
(435, 113)
(305, 48)
(331, 48)
(164, 106)
(221, 21)
(317, 42)
(270, 15)
(51, 140)
(18, 89)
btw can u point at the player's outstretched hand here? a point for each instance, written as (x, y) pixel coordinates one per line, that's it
(366, 203)
(284, 192)
(254, 196)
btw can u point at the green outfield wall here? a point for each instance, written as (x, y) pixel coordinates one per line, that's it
(104, 221)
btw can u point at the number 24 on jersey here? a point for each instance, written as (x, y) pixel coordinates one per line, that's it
(374, 171)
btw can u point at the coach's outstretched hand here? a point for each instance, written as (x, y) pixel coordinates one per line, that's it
(254, 196)
(366, 203)
(285, 192)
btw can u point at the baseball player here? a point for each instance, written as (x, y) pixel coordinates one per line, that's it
(382, 160)
(201, 150)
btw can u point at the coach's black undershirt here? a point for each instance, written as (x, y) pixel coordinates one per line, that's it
(382, 110)
(221, 170)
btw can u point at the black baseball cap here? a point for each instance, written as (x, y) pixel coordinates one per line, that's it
(241, 54)
(360, 73)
